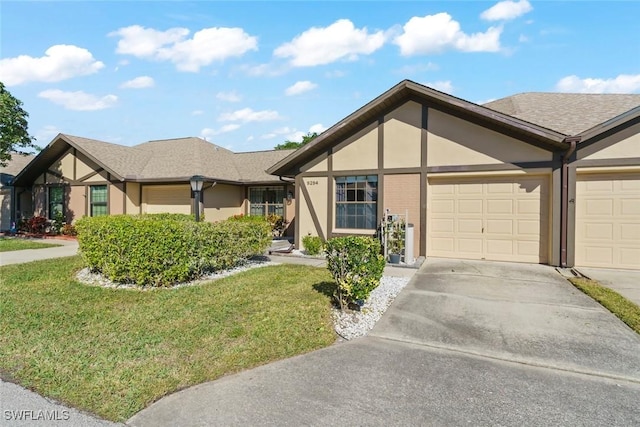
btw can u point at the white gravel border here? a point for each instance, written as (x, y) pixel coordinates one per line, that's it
(96, 279)
(354, 324)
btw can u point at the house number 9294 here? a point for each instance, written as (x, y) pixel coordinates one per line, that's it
(310, 182)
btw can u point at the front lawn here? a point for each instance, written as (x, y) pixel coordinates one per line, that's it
(624, 309)
(113, 352)
(11, 244)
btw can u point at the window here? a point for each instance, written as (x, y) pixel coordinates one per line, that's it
(98, 200)
(264, 201)
(56, 201)
(357, 202)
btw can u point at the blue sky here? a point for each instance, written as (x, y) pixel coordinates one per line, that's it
(249, 75)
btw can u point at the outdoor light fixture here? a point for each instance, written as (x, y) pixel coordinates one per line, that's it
(289, 196)
(196, 182)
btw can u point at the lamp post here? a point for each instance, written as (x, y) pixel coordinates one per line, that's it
(196, 182)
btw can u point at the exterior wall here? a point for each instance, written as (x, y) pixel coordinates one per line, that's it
(454, 141)
(116, 199)
(84, 166)
(402, 136)
(402, 195)
(312, 208)
(624, 144)
(223, 201)
(40, 200)
(133, 202)
(359, 151)
(5, 208)
(77, 202)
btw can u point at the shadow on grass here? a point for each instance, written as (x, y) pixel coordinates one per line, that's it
(326, 288)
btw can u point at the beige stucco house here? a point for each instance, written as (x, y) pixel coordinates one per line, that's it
(8, 194)
(537, 177)
(80, 176)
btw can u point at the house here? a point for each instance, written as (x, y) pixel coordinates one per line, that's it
(8, 194)
(537, 177)
(79, 176)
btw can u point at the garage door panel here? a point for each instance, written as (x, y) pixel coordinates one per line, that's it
(608, 220)
(498, 218)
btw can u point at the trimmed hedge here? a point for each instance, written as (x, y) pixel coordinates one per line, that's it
(165, 249)
(356, 264)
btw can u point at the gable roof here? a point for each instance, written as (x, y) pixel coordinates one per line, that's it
(14, 166)
(568, 113)
(545, 119)
(161, 160)
(408, 90)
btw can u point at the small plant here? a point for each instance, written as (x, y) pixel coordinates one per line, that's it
(356, 265)
(312, 244)
(278, 224)
(69, 230)
(396, 235)
(57, 223)
(36, 225)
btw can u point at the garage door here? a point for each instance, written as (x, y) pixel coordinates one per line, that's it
(608, 220)
(502, 219)
(167, 198)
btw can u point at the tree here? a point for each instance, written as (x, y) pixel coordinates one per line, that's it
(289, 145)
(14, 136)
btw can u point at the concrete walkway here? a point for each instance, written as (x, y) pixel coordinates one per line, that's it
(473, 343)
(624, 282)
(67, 248)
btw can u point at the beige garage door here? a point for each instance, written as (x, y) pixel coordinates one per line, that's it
(167, 198)
(502, 219)
(608, 220)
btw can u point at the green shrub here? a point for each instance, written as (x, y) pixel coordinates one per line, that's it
(164, 249)
(69, 230)
(356, 265)
(312, 244)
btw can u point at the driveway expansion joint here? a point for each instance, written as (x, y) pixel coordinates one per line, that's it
(525, 362)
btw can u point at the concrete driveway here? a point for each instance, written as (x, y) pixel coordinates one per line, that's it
(465, 343)
(624, 282)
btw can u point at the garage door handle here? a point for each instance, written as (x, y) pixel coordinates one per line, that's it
(483, 229)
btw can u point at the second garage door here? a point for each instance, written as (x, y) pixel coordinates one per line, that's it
(501, 219)
(167, 199)
(608, 220)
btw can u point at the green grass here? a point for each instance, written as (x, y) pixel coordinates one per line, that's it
(624, 309)
(113, 352)
(11, 244)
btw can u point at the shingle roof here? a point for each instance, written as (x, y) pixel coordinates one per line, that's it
(568, 113)
(16, 164)
(253, 165)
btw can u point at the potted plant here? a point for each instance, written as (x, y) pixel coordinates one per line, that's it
(395, 241)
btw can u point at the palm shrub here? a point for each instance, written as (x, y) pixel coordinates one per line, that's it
(356, 264)
(165, 249)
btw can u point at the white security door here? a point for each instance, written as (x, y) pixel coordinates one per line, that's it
(608, 220)
(493, 218)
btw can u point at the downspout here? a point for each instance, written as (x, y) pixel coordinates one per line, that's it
(573, 141)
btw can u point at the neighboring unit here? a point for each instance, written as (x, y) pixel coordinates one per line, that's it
(79, 176)
(10, 198)
(537, 177)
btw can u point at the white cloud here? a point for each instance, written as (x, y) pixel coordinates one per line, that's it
(442, 86)
(624, 83)
(208, 132)
(418, 68)
(317, 128)
(300, 87)
(45, 134)
(138, 83)
(197, 112)
(250, 138)
(206, 46)
(248, 115)
(324, 45)
(79, 101)
(229, 96)
(335, 74)
(60, 62)
(506, 10)
(437, 33)
(523, 39)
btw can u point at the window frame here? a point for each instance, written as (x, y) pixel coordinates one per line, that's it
(93, 204)
(279, 204)
(364, 194)
(50, 202)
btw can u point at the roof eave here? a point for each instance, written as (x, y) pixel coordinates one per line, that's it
(620, 120)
